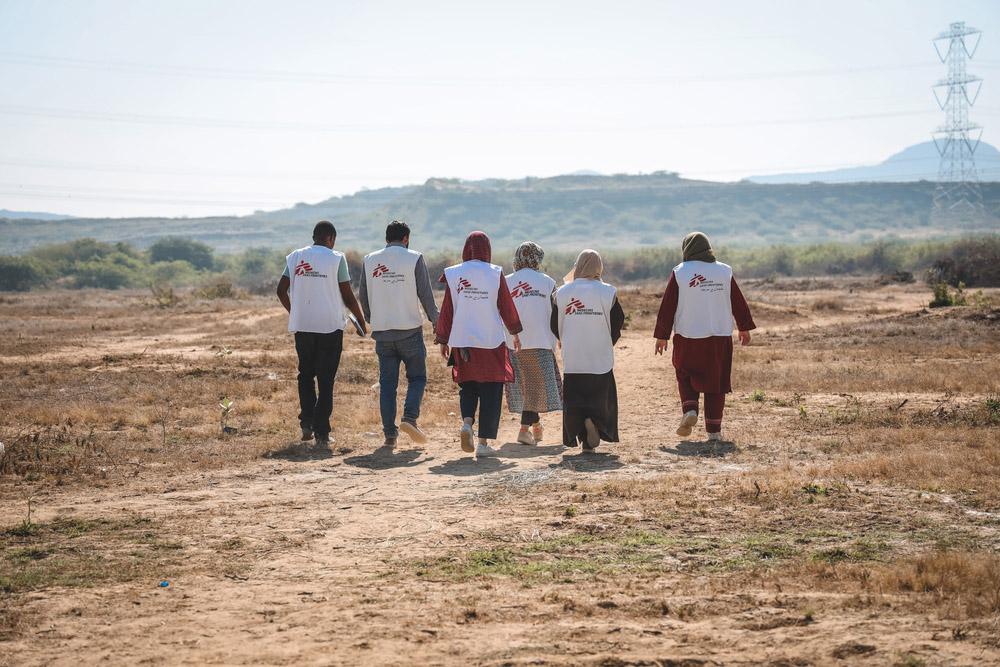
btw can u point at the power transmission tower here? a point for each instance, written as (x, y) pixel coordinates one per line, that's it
(958, 196)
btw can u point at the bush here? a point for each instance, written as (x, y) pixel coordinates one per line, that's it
(174, 273)
(19, 274)
(944, 297)
(175, 248)
(975, 262)
(219, 288)
(102, 274)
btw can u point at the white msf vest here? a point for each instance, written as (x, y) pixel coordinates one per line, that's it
(585, 326)
(392, 288)
(474, 286)
(703, 305)
(317, 306)
(531, 291)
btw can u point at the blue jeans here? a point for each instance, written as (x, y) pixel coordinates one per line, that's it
(411, 352)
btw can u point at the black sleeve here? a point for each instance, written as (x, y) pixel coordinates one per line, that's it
(617, 321)
(554, 318)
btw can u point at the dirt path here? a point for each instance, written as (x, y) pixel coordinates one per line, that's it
(324, 566)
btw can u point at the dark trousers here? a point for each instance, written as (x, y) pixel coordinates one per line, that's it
(319, 358)
(489, 397)
(529, 418)
(714, 404)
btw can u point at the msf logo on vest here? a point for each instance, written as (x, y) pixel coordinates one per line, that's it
(574, 307)
(380, 270)
(305, 269)
(696, 280)
(524, 288)
(470, 291)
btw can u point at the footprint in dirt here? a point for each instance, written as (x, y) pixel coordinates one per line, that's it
(707, 450)
(589, 462)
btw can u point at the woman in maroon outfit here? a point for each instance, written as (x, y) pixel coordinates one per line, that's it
(467, 330)
(700, 305)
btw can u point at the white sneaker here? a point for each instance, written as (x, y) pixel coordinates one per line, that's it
(467, 438)
(485, 450)
(412, 430)
(715, 437)
(526, 438)
(688, 421)
(537, 433)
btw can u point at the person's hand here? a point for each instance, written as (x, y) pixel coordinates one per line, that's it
(661, 345)
(517, 343)
(445, 352)
(744, 338)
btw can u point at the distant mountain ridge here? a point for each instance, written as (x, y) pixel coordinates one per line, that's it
(31, 215)
(916, 163)
(567, 212)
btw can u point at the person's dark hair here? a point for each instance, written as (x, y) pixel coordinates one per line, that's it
(323, 230)
(396, 231)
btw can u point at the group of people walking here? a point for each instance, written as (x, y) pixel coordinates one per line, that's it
(501, 334)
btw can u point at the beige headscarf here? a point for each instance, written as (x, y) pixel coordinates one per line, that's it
(589, 265)
(696, 247)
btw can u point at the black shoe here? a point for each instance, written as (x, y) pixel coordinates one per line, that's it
(389, 442)
(323, 441)
(307, 433)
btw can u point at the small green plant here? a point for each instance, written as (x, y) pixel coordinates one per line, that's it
(570, 512)
(814, 489)
(758, 396)
(26, 528)
(227, 406)
(993, 408)
(802, 412)
(809, 616)
(944, 296)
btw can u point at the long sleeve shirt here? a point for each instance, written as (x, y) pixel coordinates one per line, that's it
(668, 309)
(481, 365)
(424, 293)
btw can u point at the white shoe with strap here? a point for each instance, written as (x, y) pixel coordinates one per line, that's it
(688, 421)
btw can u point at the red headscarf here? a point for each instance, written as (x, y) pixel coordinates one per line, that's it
(477, 246)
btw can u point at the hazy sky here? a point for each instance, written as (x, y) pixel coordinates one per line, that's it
(192, 107)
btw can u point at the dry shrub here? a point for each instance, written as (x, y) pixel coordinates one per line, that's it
(832, 304)
(969, 580)
(220, 288)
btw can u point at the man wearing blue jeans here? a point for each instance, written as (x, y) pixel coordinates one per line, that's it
(394, 288)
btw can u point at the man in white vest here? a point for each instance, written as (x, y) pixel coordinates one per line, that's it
(394, 288)
(314, 289)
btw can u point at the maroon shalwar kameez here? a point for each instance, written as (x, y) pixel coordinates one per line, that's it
(702, 365)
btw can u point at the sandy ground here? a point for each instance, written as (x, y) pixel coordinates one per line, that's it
(331, 563)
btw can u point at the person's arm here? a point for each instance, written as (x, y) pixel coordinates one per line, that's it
(508, 313)
(347, 294)
(665, 318)
(617, 321)
(283, 285)
(741, 313)
(363, 295)
(554, 317)
(442, 329)
(424, 291)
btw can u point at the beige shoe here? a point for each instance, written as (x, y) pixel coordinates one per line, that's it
(593, 437)
(715, 437)
(414, 432)
(537, 433)
(526, 438)
(467, 438)
(688, 421)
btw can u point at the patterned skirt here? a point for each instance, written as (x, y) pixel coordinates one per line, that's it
(537, 385)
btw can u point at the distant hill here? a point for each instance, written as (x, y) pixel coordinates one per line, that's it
(31, 215)
(562, 212)
(916, 163)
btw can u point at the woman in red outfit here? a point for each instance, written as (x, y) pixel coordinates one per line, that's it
(470, 330)
(700, 304)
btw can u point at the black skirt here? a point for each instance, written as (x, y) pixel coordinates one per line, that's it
(589, 396)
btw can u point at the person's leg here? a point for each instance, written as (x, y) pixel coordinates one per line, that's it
(388, 382)
(328, 361)
(714, 406)
(468, 400)
(305, 348)
(490, 404)
(689, 404)
(689, 397)
(529, 418)
(414, 355)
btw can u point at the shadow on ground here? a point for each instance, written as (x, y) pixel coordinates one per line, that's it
(515, 450)
(302, 451)
(590, 462)
(468, 467)
(707, 450)
(384, 458)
